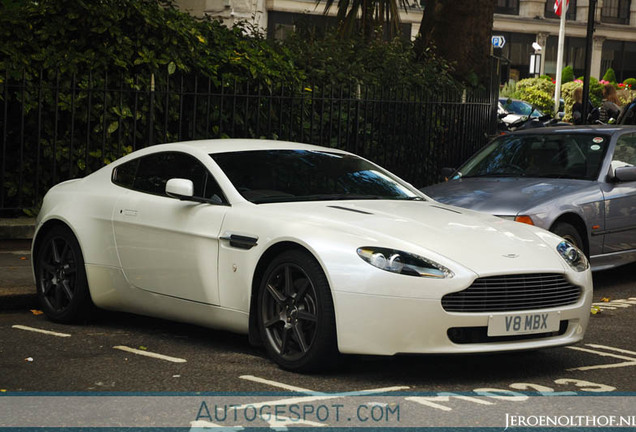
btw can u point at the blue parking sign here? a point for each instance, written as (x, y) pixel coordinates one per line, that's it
(498, 41)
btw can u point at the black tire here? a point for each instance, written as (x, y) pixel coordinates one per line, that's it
(569, 233)
(295, 314)
(60, 277)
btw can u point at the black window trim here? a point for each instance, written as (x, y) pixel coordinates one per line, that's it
(223, 197)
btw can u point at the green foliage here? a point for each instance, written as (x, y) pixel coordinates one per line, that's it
(126, 36)
(567, 74)
(368, 18)
(567, 93)
(509, 89)
(596, 92)
(630, 82)
(354, 60)
(70, 53)
(538, 92)
(90, 81)
(546, 77)
(610, 76)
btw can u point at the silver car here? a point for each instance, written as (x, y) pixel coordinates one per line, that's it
(578, 182)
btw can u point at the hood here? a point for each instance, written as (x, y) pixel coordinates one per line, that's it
(481, 243)
(503, 195)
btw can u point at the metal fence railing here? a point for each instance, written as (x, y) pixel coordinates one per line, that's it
(55, 126)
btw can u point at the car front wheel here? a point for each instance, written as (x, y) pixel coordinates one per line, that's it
(569, 233)
(60, 275)
(296, 315)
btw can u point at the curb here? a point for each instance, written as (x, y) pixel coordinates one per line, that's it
(19, 301)
(17, 291)
(17, 229)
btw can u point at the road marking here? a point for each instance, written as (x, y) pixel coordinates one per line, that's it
(312, 395)
(615, 304)
(36, 330)
(612, 349)
(312, 392)
(150, 354)
(276, 384)
(631, 361)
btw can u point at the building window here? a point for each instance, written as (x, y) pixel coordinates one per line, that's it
(570, 15)
(573, 55)
(620, 56)
(508, 7)
(615, 11)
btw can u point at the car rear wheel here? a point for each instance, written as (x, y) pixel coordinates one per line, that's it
(569, 233)
(61, 283)
(296, 315)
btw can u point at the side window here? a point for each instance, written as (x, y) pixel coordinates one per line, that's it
(150, 174)
(124, 175)
(625, 151)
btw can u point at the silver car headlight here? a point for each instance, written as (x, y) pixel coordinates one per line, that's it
(405, 263)
(573, 256)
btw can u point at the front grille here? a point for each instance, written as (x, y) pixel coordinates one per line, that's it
(513, 293)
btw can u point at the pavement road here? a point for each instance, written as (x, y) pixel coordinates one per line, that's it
(209, 360)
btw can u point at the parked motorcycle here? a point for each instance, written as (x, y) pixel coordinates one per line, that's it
(527, 122)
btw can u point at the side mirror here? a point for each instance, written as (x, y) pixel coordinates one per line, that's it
(180, 188)
(625, 174)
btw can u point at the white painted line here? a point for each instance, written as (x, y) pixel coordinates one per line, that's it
(276, 384)
(631, 361)
(150, 354)
(603, 354)
(613, 304)
(36, 330)
(613, 349)
(631, 302)
(312, 392)
(605, 366)
(312, 395)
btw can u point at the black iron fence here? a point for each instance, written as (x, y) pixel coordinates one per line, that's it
(55, 126)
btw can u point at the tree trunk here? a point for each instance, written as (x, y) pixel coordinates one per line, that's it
(460, 32)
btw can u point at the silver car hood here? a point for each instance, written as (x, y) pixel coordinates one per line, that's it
(503, 195)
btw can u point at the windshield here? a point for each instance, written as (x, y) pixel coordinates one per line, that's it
(266, 176)
(520, 108)
(575, 156)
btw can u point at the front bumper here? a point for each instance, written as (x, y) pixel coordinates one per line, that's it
(385, 325)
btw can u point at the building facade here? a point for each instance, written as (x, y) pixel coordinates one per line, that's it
(520, 22)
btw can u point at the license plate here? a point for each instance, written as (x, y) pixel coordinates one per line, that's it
(523, 323)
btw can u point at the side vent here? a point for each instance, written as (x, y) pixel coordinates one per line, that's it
(240, 241)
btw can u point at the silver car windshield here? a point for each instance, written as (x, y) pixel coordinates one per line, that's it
(573, 156)
(265, 176)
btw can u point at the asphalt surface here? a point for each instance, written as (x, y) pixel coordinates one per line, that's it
(221, 357)
(114, 354)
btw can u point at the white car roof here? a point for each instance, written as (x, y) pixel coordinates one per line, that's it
(238, 144)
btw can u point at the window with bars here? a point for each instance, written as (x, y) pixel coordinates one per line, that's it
(615, 11)
(508, 7)
(570, 15)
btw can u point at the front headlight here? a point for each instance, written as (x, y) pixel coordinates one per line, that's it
(573, 256)
(405, 263)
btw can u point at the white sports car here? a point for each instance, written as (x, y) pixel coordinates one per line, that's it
(311, 251)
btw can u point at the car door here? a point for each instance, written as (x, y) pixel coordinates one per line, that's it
(620, 200)
(166, 245)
